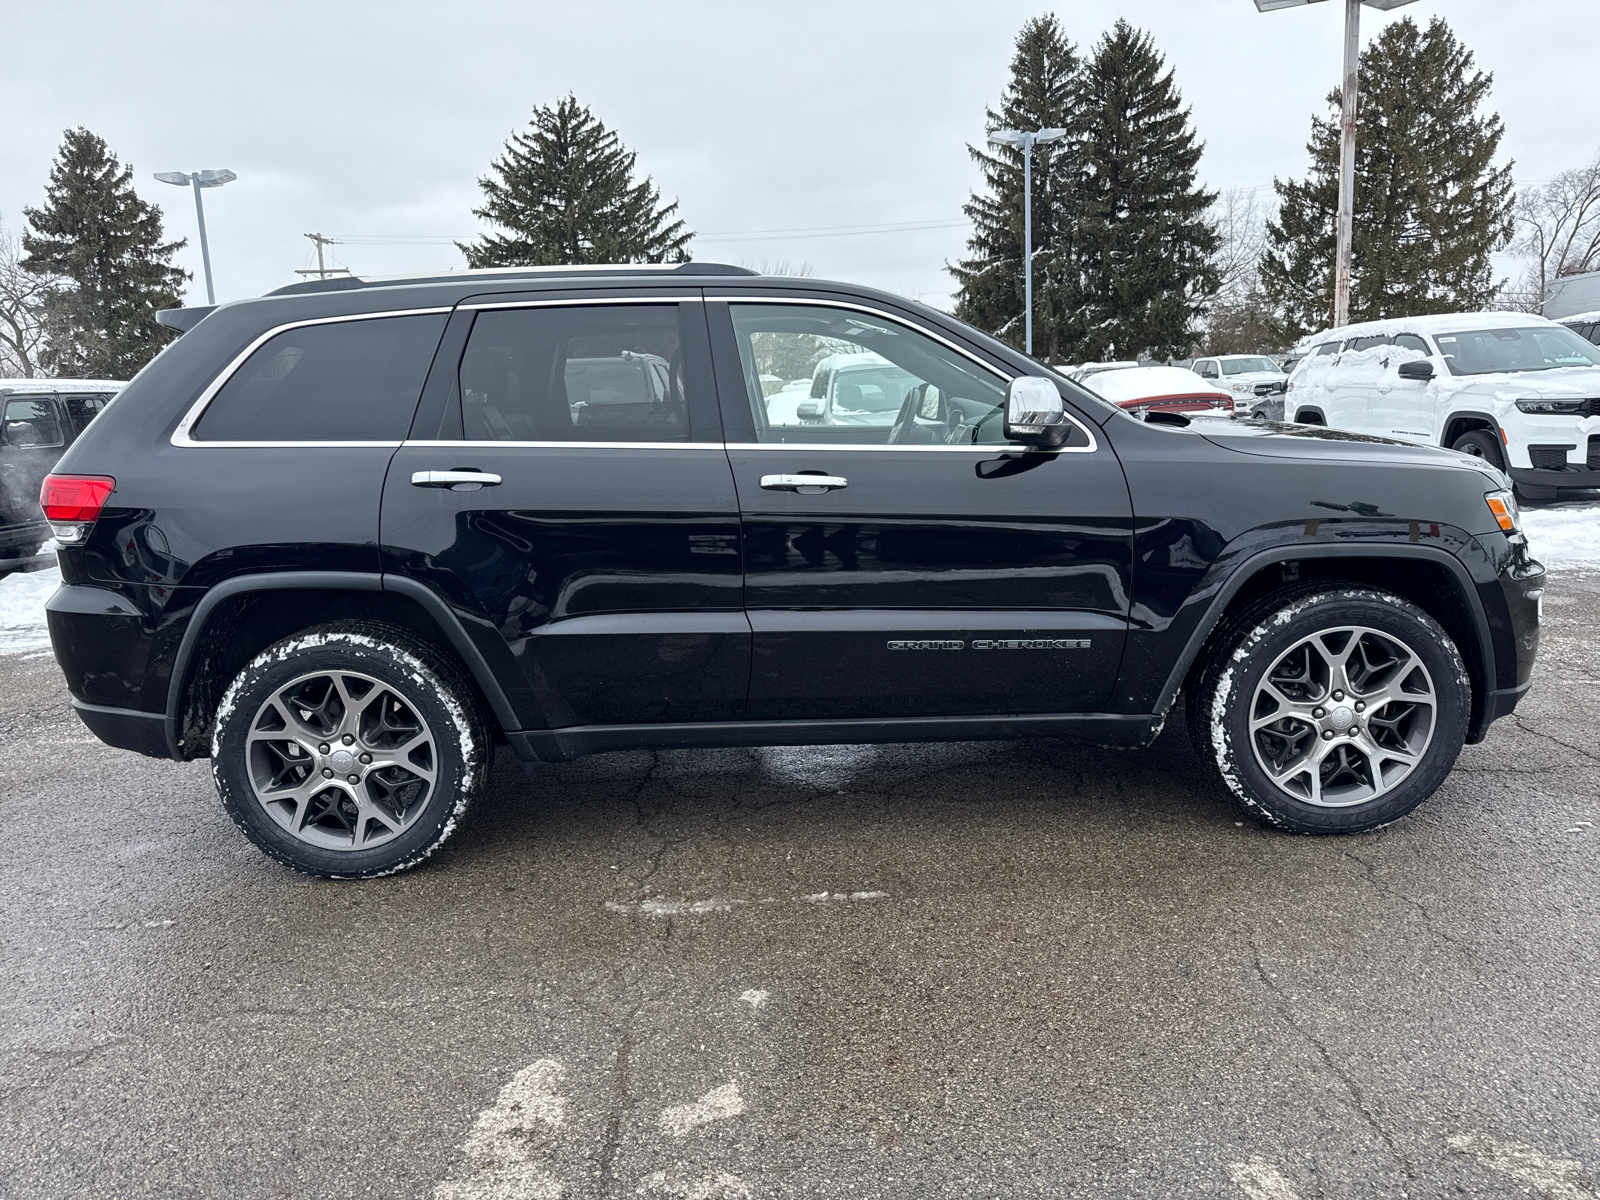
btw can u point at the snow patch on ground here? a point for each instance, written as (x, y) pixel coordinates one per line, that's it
(716, 1105)
(1564, 534)
(22, 597)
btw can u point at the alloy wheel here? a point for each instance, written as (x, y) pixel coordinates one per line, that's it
(1343, 717)
(341, 760)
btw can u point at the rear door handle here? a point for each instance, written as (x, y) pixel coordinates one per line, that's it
(799, 483)
(456, 481)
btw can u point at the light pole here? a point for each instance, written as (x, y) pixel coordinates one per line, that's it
(1027, 141)
(200, 179)
(1347, 139)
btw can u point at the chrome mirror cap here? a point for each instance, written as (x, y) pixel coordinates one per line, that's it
(1035, 411)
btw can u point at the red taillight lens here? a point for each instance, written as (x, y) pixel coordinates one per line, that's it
(74, 497)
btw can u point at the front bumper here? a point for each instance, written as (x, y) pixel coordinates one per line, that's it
(1513, 626)
(1568, 477)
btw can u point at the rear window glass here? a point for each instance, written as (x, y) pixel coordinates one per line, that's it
(347, 381)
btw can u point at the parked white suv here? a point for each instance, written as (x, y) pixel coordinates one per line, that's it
(1514, 389)
(1239, 374)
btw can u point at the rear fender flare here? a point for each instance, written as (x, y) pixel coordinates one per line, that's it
(347, 581)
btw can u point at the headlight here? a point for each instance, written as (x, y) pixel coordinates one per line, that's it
(1562, 408)
(1504, 507)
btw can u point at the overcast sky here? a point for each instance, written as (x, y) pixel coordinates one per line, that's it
(778, 126)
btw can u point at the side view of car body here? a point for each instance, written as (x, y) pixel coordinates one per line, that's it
(298, 544)
(39, 419)
(1514, 389)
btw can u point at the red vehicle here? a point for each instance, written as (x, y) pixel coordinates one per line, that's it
(1158, 389)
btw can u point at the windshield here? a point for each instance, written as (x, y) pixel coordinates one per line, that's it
(871, 389)
(1537, 348)
(1248, 366)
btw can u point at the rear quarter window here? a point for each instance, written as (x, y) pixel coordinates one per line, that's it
(344, 381)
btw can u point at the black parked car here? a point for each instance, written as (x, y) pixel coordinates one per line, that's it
(346, 537)
(39, 419)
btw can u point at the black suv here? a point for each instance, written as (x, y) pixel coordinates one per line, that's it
(39, 419)
(345, 538)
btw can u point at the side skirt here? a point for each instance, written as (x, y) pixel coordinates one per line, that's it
(574, 741)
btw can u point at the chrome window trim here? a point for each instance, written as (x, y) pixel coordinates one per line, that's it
(859, 306)
(180, 435)
(585, 300)
(445, 444)
(853, 447)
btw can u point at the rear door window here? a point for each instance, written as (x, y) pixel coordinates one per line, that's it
(339, 381)
(32, 423)
(1411, 342)
(602, 373)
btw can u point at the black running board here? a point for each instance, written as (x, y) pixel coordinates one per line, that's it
(574, 741)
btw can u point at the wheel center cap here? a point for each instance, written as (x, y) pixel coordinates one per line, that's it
(344, 762)
(1341, 718)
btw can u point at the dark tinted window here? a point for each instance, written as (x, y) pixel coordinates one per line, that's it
(1327, 348)
(83, 407)
(347, 381)
(598, 373)
(1367, 343)
(32, 423)
(1411, 342)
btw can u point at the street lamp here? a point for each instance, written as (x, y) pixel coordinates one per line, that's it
(1027, 141)
(200, 179)
(1347, 143)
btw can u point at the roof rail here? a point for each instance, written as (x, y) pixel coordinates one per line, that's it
(342, 282)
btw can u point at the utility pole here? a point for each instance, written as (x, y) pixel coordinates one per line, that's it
(320, 271)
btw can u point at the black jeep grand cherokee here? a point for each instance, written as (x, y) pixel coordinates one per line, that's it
(346, 537)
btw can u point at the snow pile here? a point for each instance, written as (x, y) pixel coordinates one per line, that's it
(22, 597)
(1564, 534)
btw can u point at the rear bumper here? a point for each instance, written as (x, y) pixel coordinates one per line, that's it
(127, 728)
(26, 536)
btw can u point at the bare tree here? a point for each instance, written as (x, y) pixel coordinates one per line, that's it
(1558, 233)
(21, 312)
(1239, 318)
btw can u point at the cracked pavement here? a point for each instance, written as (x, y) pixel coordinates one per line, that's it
(1018, 969)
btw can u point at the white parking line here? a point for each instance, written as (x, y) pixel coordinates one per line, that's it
(716, 1105)
(506, 1142)
(1260, 1180)
(1556, 1178)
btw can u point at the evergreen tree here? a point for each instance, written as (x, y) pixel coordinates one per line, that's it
(1147, 245)
(105, 243)
(566, 193)
(1040, 95)
(1430, 205)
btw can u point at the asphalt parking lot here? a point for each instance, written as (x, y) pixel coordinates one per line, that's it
(967, 970)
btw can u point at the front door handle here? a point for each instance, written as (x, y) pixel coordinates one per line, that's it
(457, 481)
(803, 483)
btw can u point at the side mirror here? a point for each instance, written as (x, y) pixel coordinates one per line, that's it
(1035, 412)
(809, 410)
(1276, 388)
(1418, 368)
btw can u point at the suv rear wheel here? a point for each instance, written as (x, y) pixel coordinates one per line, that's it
(350, 750)
(1332, 711)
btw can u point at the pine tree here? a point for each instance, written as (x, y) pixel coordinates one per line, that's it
(1146, 241)
(1430, 205)
(1040, 95)
(566, 193)
(105, 243)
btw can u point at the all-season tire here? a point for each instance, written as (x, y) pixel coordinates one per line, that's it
(350, 750)
(1330, 710)
(1481, 443)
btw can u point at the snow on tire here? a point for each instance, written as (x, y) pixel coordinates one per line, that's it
(350, 750)
(1333, 710)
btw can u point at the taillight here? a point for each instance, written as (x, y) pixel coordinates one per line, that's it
(72, 503)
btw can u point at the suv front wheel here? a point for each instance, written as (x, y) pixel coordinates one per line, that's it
(1332, 711)
(350, 750)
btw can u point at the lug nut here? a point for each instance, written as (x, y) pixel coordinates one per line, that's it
(327, 774)
(1361, 706)
(1327, 735)
(1338, 695)
(1319, 713)
(323, 747)
(366, 758)
(348, 738)
(355, 779)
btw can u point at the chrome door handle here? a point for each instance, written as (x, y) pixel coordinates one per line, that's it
(791, 483)
(456, 481)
